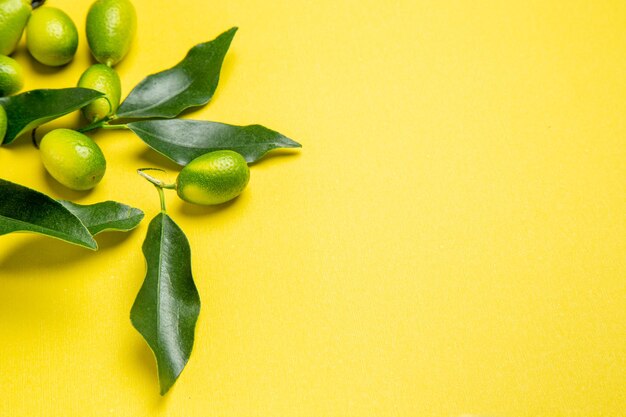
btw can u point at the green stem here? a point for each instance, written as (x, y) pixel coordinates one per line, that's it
(102, 124)
(155, 181)
(162, 198)
(160, 185)
(108, 126)
(92, 126)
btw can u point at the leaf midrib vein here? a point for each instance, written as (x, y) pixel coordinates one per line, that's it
(183, 145)
(158, 103)
(158, 301)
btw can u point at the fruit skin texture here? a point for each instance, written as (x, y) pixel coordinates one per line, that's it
(51, 36)
(111, 26)
(213, 178)
(13, 17)
(3, 123)
(104, 79)
(11, 76)
(73, 159)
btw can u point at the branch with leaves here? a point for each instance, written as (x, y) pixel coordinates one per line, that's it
(168, 304)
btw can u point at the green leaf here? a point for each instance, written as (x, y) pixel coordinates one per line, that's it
(33, 108)
(183, 140)
(190, 83)
(104, 216)
(167, 306)
(26, 210)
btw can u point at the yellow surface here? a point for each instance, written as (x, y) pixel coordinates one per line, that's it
(450, 241)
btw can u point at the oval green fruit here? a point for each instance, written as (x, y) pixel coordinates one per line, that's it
(13, 17)
(104, 79)
(213, 178)
(73, 159)
(111, 26)
(3, 123)
(51, 36)
(11, 76)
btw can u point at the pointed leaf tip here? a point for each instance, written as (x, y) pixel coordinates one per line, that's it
(183, 140)
(105, 216)
(190, 83)
(25, 210)
(167, 306)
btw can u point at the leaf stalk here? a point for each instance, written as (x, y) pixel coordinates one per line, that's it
(160, 185)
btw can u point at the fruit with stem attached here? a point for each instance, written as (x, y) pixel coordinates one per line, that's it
(213, 178)
(111, 26)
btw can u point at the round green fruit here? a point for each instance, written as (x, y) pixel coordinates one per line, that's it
(104, 79)
(111, 26)
(51, 36)
(11, 76)
(213, 178)
(13, 17)
(3, 123)
(72, 159)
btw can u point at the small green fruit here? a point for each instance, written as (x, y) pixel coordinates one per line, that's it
(111, 26)
(72, 159)
(13, 17)
(104, 79)
(3, 123)
(51, 36)
(213, 178)
(11, 76)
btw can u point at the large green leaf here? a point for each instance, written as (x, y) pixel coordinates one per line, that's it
(104, 216)
(26, 210)
(33, 108)
(190, 83)
(167, 306)
(183, 140)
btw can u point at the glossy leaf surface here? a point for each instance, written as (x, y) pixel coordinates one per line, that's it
(105, 216)
(167, 306)
(190, 83)
(25, 210)
(31, 109)
(183, 140)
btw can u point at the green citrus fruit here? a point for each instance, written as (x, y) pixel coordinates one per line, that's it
(3, 123)
(104, 79)
(213, 178)
(111, 26)
(72, 159)
(51, 36)
(13, 17)
(11, 76)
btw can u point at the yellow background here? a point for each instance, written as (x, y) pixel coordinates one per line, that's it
(450, 240)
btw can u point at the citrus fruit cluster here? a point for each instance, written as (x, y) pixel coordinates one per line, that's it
(214, 156)
(70, 157)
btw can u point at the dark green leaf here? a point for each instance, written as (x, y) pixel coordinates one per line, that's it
(33, 108)
(107, 215)
(26, 210)
(167, 306)
(190, 83)
(183, 140)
